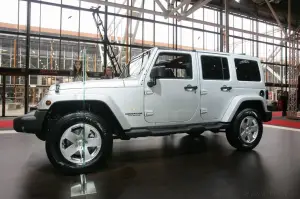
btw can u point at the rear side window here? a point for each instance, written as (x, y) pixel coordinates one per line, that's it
(247, 70)
(214, 68)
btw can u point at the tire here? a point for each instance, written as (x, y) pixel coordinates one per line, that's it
(234, 133)
(56, 144)
(41, 136)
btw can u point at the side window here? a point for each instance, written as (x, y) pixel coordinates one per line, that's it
(247, 70)
(214, 68)
(177, 66)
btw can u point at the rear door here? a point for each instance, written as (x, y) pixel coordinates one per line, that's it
(216, 85)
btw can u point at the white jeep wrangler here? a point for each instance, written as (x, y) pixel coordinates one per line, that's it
(163, 92)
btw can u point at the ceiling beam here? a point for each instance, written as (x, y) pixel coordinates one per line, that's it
(183, 3)
(276, 17)
(161, 6)
(107, 3)
(195, 7)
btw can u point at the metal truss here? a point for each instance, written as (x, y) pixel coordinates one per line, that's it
(185, 10)
(293, 78)
(293, 61)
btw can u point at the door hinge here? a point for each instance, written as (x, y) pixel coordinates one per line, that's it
(204, 92)
(203, 110)
(148, 92)
(149, 113)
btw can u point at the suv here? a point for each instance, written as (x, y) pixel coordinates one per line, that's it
(161, 92)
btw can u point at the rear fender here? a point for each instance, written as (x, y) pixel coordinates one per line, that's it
(236, 104)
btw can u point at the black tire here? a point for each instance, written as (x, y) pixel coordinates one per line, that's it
(53, 143)
(233, 132)
(41, 136)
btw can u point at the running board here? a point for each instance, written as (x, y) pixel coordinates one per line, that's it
(169, 130)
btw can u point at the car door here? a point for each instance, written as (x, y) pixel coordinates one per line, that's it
(175, 97)
(216, 86)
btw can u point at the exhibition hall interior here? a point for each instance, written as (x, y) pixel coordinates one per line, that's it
(171, 99)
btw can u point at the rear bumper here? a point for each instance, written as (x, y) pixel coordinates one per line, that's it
(267, 116)
(30, 123)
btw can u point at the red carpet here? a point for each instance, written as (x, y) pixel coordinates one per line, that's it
(277, 121)
(6, 124)
(277, 114)
(285, 123)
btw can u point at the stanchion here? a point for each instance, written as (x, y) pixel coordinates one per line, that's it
(83, 188)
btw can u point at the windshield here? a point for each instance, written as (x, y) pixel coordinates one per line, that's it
(136, 65)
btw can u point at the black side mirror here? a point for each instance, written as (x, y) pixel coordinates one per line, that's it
(156, 73)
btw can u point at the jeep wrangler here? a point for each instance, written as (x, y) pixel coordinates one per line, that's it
(160, 92)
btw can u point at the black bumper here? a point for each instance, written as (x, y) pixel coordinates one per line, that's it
(30, 123)
(267, 116)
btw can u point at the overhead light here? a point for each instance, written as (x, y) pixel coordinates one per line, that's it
(238, 1)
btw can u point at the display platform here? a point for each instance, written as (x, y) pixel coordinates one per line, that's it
(171, 167)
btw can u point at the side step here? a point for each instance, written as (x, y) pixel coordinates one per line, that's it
(169, 130)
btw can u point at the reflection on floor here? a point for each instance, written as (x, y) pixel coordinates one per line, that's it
(174, 167)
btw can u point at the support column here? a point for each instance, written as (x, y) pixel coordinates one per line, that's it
(286, 61)
(227, 25)
(221, 31)
(27, 55)
(105, 38)
(3, 94)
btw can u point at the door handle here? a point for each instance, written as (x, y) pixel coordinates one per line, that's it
(190, 88)
(226, 88)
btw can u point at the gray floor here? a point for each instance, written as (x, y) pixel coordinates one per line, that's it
(175, 167)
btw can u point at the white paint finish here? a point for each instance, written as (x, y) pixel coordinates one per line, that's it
(167, 103)
(237, 101)
(214, 101)
(170, 102)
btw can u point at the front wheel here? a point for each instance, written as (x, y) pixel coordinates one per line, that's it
(79, 143)
(246, 130)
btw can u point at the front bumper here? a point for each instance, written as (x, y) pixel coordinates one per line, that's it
(267, 116)
(31, 122)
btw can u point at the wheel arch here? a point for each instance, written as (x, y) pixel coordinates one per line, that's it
(240, 103)
(105, 110)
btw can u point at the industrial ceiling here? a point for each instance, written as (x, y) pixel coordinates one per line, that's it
(259, 8)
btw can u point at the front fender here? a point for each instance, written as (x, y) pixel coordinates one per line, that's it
(80, 97)
(235, 104)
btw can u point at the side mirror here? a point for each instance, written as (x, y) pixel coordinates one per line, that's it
(156, 73)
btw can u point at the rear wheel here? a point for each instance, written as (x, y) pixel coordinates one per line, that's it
(246, 130)
(79, 143)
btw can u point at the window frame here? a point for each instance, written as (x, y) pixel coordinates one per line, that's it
(220, 57)
(170, 53)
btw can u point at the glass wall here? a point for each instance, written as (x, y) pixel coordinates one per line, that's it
(61, 29)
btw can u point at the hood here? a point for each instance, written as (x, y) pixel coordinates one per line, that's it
(103, 83)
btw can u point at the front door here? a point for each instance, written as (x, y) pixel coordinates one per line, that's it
(216, 86)
(175, 97)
